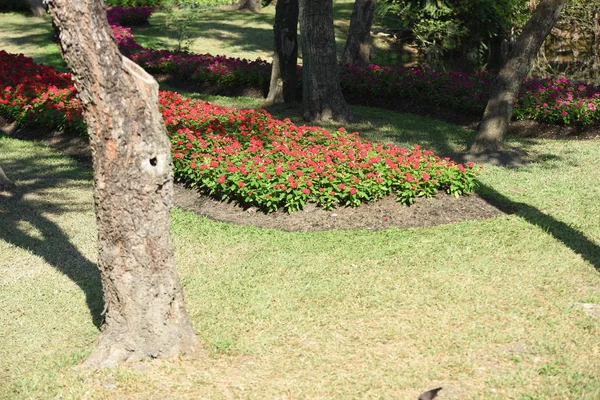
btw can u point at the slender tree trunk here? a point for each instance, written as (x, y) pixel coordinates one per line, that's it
(37, 8)
(499, 108)
(596, 47)
(5, 183)
(249, 5)
(358, 45)
(133, 183)
(322, 97)
(285, 58)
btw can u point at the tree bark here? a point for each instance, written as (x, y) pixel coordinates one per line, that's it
(145, 314)
(37, 8)
(322, 97)
(249, 5)
(5, 183)
(596, 47)
(358, 45)
(285, 58)
(499, 108)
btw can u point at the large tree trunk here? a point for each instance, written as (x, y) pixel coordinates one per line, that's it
(285, 58)
(499, 108)
(5, 183)
(249, 5)
(133, 183)
(358, 45)
(37, 7)
(322, 97)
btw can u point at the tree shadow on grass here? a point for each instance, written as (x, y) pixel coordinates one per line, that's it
(225, 28)
(570, 237)
(26, 204)
(39, 35)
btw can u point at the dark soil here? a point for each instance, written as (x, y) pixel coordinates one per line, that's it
(382, 214)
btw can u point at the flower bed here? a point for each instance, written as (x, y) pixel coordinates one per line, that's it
(32, 93)
(247, 155)
(128, 16)
(251, 157)
(557, 101)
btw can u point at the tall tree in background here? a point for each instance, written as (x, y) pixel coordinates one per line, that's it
(37, 7)
(358, 45)
(499, 108)
(285, 58)
(322, 97)
(249, 5)
(5, 183)
(145, 314)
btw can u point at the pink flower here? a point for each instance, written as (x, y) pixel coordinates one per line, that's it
(221, 179)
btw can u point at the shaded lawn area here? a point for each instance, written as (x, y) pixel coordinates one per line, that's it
(20, 33)
(485, 309)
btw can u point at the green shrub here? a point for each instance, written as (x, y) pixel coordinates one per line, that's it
(14, 5)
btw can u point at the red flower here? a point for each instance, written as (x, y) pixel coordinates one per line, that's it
(221, 179)
(241, 184)
(352, 190)
(306, 191)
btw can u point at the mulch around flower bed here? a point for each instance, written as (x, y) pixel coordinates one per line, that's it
(382, 214)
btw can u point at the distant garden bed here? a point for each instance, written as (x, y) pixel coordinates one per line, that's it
(553, 100)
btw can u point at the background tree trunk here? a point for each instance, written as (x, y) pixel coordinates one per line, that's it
(285, 59)
(5, 183)
(499, 108)
(37, 7)
(596, 47)
(322, 97)
(250, 5)
(144, 309)
(358, 45)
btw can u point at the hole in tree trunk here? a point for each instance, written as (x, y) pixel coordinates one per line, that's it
(153, 161)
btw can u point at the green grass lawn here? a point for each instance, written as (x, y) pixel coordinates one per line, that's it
(487, 309)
